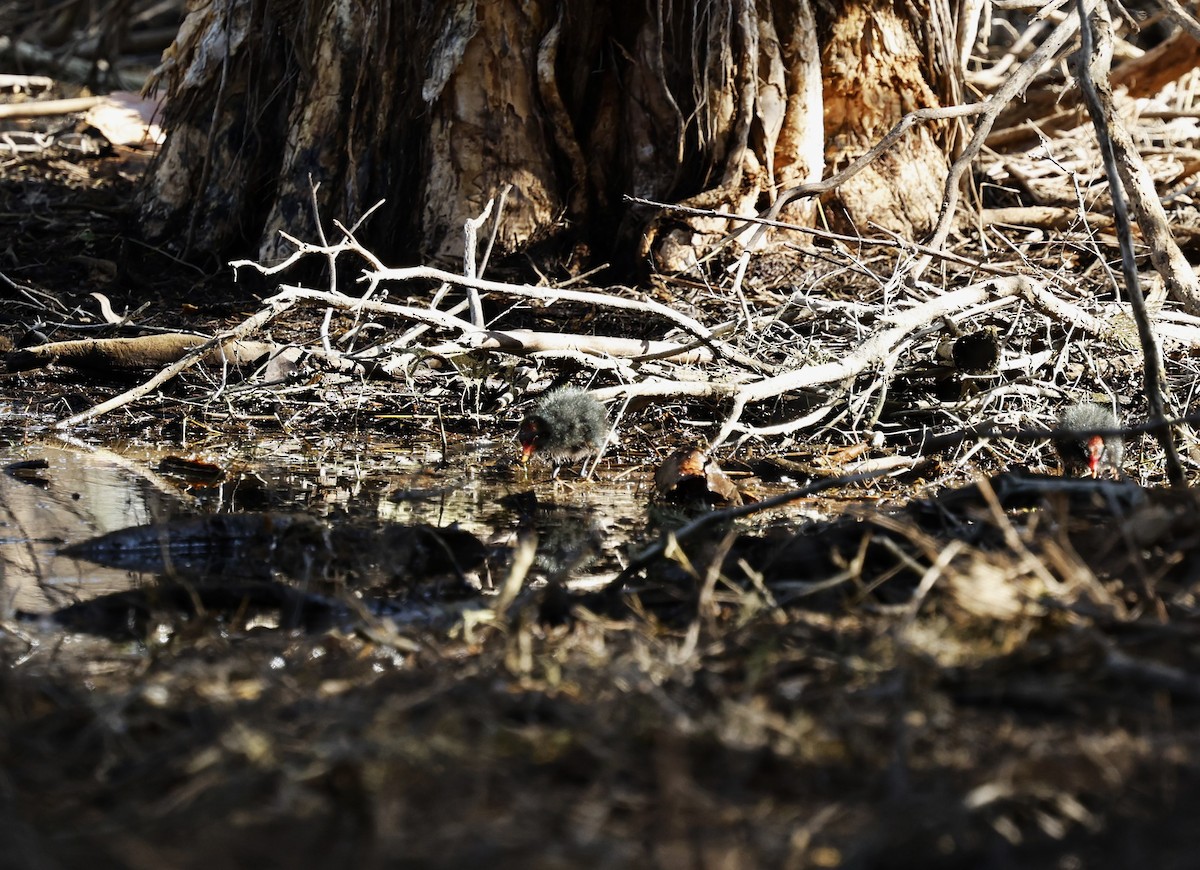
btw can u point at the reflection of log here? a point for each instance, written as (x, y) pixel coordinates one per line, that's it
(261, 546)
(143, 352)
(133, 614)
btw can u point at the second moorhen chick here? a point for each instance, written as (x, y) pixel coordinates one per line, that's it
(1085, 454)
(565, 424)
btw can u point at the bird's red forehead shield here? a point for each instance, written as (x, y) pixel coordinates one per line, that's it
(1095, 452)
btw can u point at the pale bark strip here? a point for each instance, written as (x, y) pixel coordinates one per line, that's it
(561, 127)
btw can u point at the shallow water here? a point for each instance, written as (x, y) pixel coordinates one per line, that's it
(83, 492)
(76, 495)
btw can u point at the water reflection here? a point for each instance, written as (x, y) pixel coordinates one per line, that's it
(56, 497)
(77, 494)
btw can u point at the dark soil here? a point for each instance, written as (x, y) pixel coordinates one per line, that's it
(829, 701)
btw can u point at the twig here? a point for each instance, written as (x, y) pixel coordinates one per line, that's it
(470, 233)
(487, 252)
(37, 298)
(331, 259)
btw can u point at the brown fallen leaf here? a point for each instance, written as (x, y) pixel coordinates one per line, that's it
(689, 476)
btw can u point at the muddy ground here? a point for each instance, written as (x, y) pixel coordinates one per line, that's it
(892, 674)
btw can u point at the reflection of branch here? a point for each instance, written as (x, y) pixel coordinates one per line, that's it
(716, 518)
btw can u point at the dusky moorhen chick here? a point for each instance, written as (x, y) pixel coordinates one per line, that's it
(565, 424)
(1088, 455)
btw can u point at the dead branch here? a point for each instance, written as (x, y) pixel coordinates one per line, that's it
(552, 294)
(545, 294)
(528, 342)
(517, 341)
(44, 108)
(1044, 217)
(876, 350)
(1121, 157)
(893, 242)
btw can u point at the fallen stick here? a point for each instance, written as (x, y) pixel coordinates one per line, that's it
(46, 108)
(276, 305)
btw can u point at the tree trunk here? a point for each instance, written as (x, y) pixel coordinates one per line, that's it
(878, 65)
(437, 106)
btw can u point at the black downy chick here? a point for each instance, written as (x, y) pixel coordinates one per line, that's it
(1088, 455)
(565, 424)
